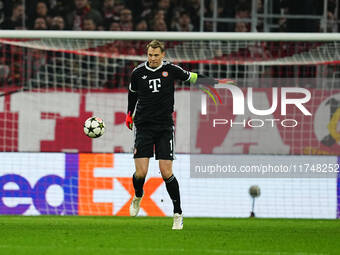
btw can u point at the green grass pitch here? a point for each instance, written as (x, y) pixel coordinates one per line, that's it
(51, 235)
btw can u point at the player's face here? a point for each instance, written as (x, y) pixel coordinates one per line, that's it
(155, 57)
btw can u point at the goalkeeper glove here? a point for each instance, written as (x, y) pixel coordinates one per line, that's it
(129, 120)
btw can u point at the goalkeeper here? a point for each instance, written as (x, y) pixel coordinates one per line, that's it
(152, 90)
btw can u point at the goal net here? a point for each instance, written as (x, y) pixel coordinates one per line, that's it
(91, 67)
(51, 83)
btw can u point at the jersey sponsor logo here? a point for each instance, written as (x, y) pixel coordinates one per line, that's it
(144, 77)
(165, 74)
(155, 84)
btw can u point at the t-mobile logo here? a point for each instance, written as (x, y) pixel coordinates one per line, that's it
(155, 84)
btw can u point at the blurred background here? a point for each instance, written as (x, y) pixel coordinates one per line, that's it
(49, 68)
(172, 15)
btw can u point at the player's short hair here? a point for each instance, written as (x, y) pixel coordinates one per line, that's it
(155, 44)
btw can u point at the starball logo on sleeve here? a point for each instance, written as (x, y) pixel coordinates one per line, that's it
(244, 102)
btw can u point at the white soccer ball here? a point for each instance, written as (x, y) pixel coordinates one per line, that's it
(94, 127)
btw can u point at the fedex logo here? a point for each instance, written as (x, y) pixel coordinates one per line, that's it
(21, 191)
(80, 184)
(103, 194)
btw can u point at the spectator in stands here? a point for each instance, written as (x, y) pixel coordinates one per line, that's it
(159, 25)
(40, 24)
(126, 27)
(118, 7)
(89, 24)
(220, 8)
(331, 22)
(114, 26)
(97, 4)
(126, 23)
(280, 7)
(241, 27)
(141, 25)
(164, 5)
(109, 13)
(41, 11)
(157, 19)
(242, 11)
(331, 17)
(184, 23)
(160, 15)
(75, 19)
(282, 25)
(17, 19)
(193, 7)
(58, 23)
(140, 9)
(2, 13)
(60, 7)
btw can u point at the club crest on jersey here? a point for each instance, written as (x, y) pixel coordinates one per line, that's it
(165, 74)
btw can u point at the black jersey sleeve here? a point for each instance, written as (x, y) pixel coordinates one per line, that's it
(132, 101)
(132, 95)
(180, 73)
(133, 83)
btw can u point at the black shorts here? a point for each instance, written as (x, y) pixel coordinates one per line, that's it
(158, 139)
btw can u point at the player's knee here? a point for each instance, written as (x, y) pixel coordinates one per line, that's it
(141, 173)
(166, 172)
(166, 175)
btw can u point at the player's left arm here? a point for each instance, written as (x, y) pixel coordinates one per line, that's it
(192, 77)
(200, 79)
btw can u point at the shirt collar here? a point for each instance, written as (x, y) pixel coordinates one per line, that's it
(153, 69)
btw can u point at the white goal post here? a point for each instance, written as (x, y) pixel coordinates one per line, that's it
(170, 36)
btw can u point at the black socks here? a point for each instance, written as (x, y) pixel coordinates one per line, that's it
(171, 186)
(173, 189)
(138, 185)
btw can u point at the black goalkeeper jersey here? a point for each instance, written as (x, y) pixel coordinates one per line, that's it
(155, 92)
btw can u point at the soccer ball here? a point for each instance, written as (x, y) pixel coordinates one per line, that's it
(94, 127)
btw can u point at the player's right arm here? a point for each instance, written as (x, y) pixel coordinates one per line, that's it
(132, 101)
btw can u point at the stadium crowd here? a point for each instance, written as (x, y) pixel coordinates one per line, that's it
(152, 15)
(144, 15)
